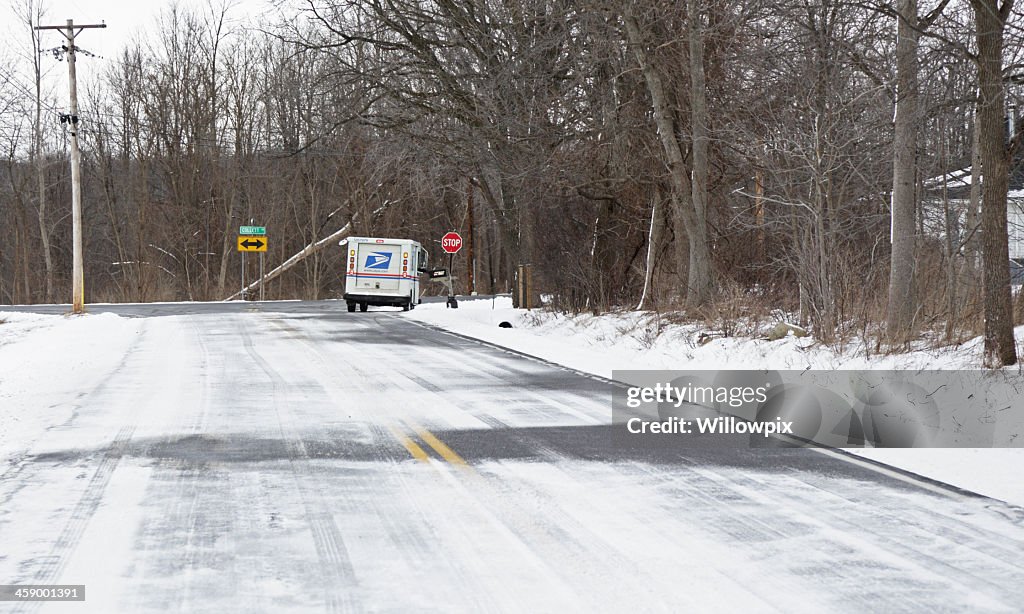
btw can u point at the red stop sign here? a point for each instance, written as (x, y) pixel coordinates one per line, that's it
(451, 243)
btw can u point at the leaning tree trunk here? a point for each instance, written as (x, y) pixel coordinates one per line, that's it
(699, 281)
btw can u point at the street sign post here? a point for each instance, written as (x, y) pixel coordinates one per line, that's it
(451, 243)
(252, 239)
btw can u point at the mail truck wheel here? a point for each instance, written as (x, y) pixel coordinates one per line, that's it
(363, 306)
(351, 306)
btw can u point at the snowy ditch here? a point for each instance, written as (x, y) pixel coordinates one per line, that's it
(600, 345)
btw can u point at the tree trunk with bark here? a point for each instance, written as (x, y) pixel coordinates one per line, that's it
(902, 303)
(699, 281)
(702, 287)
(990, 19)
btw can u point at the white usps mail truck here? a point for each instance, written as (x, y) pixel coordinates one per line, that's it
(383, 272)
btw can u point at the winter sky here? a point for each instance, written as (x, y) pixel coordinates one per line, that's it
(126, 20)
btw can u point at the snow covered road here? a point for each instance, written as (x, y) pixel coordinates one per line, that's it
(294, 457)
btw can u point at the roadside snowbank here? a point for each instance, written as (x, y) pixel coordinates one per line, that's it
(47, 357)
(643, 340)
(639, 340)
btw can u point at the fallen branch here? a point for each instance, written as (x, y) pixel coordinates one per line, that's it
(307, 251)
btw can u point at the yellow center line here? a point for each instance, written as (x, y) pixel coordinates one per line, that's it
(439, 446)
(410, 445)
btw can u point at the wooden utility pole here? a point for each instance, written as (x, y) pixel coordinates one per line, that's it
(77, 271)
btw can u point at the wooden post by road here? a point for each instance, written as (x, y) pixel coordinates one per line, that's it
(469, 237)
(77, 267)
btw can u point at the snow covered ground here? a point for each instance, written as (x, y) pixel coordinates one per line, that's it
(39, 351)
(642, 340)
(268, 458)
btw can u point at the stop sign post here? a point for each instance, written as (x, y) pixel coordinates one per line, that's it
(451, 243)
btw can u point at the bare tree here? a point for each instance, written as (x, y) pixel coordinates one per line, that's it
(30, 12)
(702, 283)
(990, 18)
(902, 302)
(699, 282)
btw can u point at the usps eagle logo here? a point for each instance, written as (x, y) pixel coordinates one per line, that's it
(378, 261)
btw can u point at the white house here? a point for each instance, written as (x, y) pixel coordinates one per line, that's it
(957, 188)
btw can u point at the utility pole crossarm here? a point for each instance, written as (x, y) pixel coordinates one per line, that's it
(80, 27)
(70, 31)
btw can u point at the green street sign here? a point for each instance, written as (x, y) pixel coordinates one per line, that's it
(252, 230)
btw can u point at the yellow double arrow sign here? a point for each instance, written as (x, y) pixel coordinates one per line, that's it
(252, 244)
